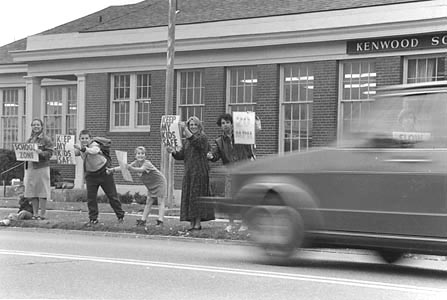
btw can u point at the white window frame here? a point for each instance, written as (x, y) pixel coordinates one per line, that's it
(306, 103)
(245, 85)
(407, 58)
(63, 115)
(21, 115)
(191, 107)
(342, 101)
(133, 127)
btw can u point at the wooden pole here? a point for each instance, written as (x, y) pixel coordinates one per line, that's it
(167, 163)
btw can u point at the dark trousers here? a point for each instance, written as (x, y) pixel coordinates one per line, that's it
(107, 184)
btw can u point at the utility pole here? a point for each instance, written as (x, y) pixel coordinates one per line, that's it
(167, 163)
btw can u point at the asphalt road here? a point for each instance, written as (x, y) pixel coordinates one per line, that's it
(50, 264)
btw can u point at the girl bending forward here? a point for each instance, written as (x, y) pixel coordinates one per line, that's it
(154, 181)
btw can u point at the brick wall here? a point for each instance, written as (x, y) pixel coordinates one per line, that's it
(97, 104)
(267, 109)
(389, 71)
(325, 103)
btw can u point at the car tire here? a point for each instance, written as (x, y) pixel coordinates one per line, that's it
(277, 230)
(390, 256)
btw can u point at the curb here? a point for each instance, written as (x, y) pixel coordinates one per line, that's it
(129, 235)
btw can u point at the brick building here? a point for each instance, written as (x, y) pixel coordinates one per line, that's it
(309, 69)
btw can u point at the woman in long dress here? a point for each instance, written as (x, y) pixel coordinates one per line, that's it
(196, 175)
(37, 174)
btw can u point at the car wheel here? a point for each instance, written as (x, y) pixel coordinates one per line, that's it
(278, 230)
(390, 256)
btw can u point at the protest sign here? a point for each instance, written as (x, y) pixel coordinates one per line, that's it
(121, 156)
(244, 127)
(170, 131)
(26, 151)
(64, 149)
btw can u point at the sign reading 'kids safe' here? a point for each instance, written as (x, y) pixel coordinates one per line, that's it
(401, 43)
(64, 149)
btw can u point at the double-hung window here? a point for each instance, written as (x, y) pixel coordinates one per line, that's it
(357, 87)
(131, 102)
(12, 112)
(190, 94)
(424, 69)
(242, 84)
(60, 110)
(296, 101)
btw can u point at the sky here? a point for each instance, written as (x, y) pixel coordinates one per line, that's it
(22, 18)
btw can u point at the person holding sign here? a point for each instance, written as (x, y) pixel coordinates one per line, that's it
(226, 150)
(225, 147)
(154, 181)
(195, 182)
(96, 175)
(37, 174)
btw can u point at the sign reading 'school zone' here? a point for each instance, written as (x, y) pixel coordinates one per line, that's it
(26, 151)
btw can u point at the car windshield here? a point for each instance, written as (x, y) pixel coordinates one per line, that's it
(405, 120)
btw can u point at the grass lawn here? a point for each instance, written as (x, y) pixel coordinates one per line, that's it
(74, 216)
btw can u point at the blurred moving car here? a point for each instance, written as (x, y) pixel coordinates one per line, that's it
(382, 187)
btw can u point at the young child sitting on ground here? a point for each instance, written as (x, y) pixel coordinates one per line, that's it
(154, 181)
(25, 212)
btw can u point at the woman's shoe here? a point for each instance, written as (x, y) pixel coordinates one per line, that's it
(198, 228)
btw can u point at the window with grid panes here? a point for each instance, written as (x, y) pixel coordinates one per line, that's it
(425, 69)
(60, 110)
(358, 86)
(131, 101)
(13, 115)
(241, 88)
(190, 94)
(296, 107)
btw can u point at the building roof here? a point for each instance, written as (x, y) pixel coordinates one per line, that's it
(154, 13)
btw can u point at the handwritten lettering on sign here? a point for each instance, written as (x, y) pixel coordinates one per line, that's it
(64, 149)
(170, 131)
(244, 127)
(26, 151)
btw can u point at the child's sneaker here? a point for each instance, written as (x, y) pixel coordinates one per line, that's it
(120, 220)
(141, 222)
(159, 223)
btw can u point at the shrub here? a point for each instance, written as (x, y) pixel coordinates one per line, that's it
(140, 199)
(127, 198)
(7, 161)
(102, 199)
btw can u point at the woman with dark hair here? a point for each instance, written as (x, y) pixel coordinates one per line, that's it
(196, 177)
(37, 174)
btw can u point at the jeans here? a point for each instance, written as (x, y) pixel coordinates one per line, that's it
(106, 182)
